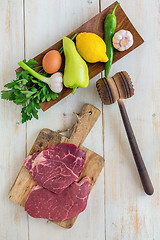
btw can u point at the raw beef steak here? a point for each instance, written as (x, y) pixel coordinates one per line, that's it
(42, 203)
(29, 161)
(57, 167)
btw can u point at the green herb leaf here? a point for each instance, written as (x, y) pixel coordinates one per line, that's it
(31, 62)
(48, 98)
(43, 99)
(28, 92)
(8, 95)
(24, 81)
(17, 86)
(11, 84)
(35, 81)
(53, 95)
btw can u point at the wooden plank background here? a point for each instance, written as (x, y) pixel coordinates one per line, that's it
(117, 208)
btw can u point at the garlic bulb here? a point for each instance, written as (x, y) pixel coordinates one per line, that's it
(55, 82)
(122, 40)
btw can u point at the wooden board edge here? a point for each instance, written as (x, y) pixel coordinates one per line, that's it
(68, 223)
(46, 105)
(46, 132)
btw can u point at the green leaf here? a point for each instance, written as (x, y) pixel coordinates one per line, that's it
(20, 99)
(33, 89)
(8, 95)
(25, 115)
(45, 74)
(17, 86)
(53, 95)
(43, 99)
(30, 111)
(25, 75)
(24, 81)
(18, 75)
(41, 84)
(34, 112)
(20, 102)
(28, 92)
(11, 84)
(24, 91)
(35, 81)
(48, 98)
(37, 96)
(16, 92)
(44, 90)
(36, 104)
(48, 90)
(31, 62)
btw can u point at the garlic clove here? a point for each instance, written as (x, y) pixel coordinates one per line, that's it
(117, 38)
(123, 33)
(122, 40)
(116, 45)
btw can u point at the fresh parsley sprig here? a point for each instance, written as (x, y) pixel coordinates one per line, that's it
(28, 91)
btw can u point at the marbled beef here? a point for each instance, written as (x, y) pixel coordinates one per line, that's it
(56, 167)
(42, 203)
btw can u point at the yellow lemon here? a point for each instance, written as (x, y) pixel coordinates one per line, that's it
(91, 47)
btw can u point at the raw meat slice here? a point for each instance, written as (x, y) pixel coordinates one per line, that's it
(29, 161)
(42, 203)
(57, 167)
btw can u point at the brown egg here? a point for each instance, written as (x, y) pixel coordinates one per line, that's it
(52, 61)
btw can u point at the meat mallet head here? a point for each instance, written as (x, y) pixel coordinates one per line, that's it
(117, 87)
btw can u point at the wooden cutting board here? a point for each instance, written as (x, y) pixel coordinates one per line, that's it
(92, 167)
(94, 25)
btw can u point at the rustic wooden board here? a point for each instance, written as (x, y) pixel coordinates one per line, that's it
(129, 213)
(93, 164)
(95, 25)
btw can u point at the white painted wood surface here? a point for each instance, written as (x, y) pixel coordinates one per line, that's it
(117, 208)
(13, 220)
(130, 214)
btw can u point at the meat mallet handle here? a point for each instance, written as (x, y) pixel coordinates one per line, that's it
(146, 182)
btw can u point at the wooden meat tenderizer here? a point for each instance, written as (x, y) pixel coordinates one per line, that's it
(115, 89)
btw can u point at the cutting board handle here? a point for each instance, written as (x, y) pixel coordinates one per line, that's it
(85, 122)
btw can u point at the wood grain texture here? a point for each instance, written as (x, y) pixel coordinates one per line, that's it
(86, 120)
(115, 89)
(61, 116)
(130, 213)
(13, 221)
(94, 25)
(143, 173)
(92, 167)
